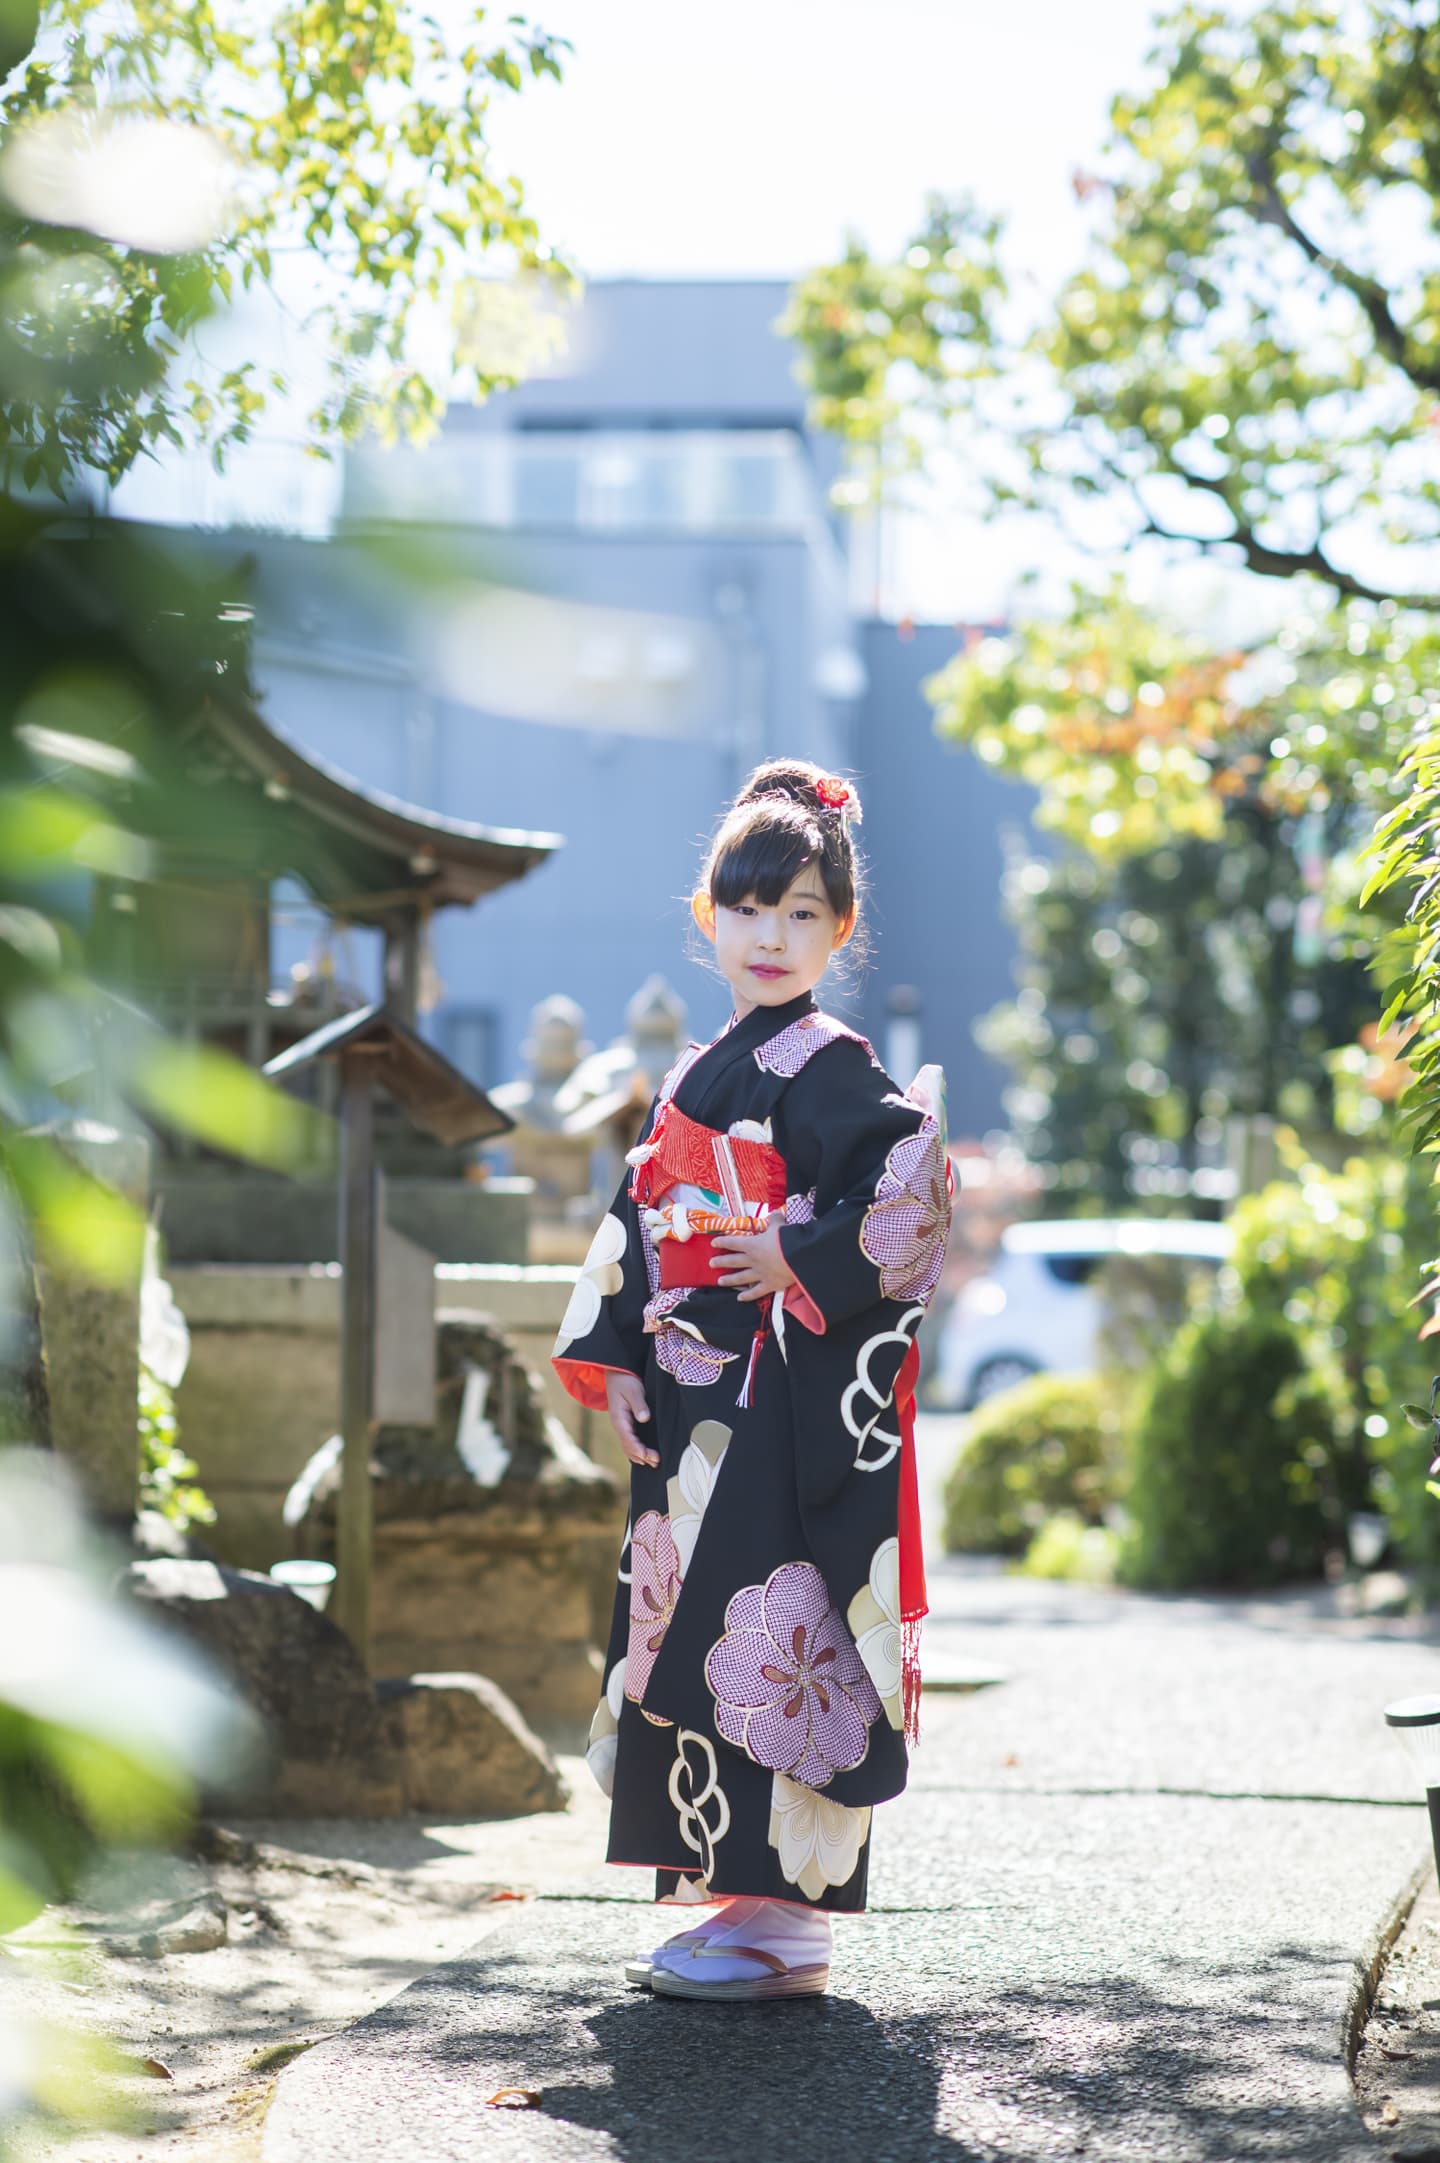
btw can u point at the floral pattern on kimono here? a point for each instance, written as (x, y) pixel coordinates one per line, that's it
(905, 1226)
(818, 1842)
(790, 1688)
(753, 1709)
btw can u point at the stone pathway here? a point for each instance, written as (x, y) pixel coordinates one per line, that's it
(1118, 1915)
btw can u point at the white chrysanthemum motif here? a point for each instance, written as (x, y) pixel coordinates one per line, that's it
(689, 1893)
(600, 1275)
(874, 1619)
(693, 1486)
(604, 1731)
(819, 1842)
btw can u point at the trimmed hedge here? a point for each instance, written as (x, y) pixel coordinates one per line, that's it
(1031, 1451)
(1236, 1459)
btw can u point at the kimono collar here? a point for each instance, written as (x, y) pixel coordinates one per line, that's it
(763, 1022)
(739, 1041)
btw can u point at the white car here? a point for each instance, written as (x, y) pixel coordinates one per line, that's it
(1034, 1309)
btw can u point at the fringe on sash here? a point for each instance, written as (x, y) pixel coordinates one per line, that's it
(910, 1676)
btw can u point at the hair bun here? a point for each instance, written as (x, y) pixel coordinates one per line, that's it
(802, 782)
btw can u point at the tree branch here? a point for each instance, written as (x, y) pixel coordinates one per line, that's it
(1268, 207)
(1292, 562)
(1265, 561)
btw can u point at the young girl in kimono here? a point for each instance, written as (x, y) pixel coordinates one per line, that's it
(746, 1315)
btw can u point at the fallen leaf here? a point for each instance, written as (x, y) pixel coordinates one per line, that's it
(155, 2067)
(504, 1895)
(1010, 1760)
(1388, 2116)
(515, 2099)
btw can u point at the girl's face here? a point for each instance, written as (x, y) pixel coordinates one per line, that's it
(771, 952)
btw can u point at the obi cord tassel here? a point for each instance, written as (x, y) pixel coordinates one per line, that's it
(747, 1388)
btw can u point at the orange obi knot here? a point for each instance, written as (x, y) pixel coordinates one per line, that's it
(740, 1176)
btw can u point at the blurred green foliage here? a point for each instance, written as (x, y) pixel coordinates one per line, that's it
(1240, 1458)
(1136, 733)
(109, 653)
(1160, 993)
(105, 1728)
(1066, 1547)
(169, 1480)
(1231, 367)
(1335, 1256)
(160, 157)
(1246, 365)
(156, 159)
(1044, 1446)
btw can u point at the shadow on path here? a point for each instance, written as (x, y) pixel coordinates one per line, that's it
(1200, 2063)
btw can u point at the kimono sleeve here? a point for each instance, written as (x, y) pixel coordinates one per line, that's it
(879, 1170)
(603, 1331)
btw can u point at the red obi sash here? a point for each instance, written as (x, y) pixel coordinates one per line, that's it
(742, 1176)
(688, 1263)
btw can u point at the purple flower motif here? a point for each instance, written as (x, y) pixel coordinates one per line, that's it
(906, 1226)
(790, 1689)
(655, 1582)
(661, 1303)
(683, 1352)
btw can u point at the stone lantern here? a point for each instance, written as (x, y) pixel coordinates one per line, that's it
(540, 1147)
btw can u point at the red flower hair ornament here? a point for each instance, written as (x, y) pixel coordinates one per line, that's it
(837, 795)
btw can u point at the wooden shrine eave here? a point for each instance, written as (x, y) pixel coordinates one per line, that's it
(365, 856)
(439, 1099)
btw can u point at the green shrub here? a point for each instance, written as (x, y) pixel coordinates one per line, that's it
(1339, 1256)
(1066, 1547)
(1030, 1451)
(1235, 1455)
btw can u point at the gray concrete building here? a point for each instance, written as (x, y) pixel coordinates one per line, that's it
(590, 606)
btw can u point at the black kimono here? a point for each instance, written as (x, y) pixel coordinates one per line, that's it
(756, 1687)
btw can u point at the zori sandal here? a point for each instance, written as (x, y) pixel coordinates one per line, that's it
(641, 1969)
(683, 1976)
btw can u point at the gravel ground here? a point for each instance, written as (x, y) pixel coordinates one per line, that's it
(1397, 2070)
(322, 1922)
(1124, 1912)
(1118, 1915)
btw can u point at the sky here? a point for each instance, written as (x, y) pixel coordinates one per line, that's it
(751, 140)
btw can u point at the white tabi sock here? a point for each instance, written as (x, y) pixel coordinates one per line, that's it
(732, 1911)
(798, 1936)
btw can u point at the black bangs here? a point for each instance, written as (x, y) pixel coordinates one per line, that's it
(765, 852)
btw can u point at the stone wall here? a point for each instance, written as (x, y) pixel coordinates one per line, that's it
(262, 1388)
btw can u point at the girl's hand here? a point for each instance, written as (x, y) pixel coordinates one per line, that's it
(757, 1269)
(625, 1402)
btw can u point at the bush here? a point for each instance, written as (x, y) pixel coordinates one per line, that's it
(1236, 1456)
(1031, 1451)
(1066, 1547)
(1339, 1257)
